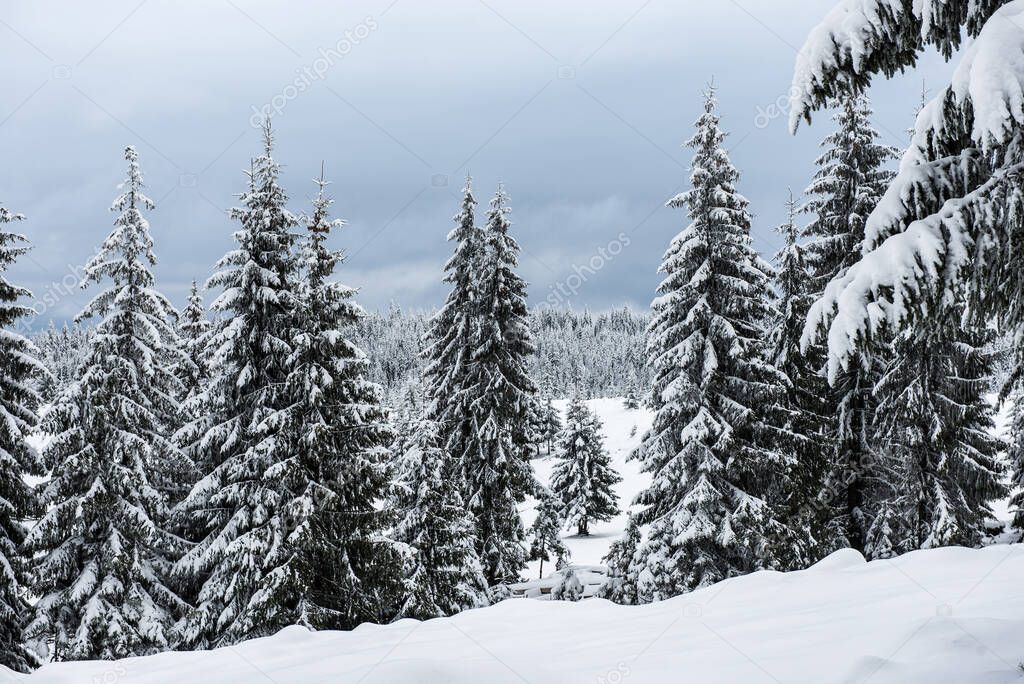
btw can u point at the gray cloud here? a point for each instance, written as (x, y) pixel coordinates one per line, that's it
(580, 108)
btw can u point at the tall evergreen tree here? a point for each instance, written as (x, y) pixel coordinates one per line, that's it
(444, 575)
(235, 514)
(710, 451)
(495, 460)
(806, 414)
(336, 568)
(850, 181)
(454, 331)
(100, 549)
(584, 479)
(18, 419)
(936, 426)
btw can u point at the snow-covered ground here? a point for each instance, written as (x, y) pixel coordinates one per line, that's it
(948, 615)
(619, 439)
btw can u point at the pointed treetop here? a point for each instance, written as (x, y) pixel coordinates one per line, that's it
(268, 138)
(132, 185)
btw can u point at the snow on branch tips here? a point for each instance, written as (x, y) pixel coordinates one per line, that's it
(861, 38)
(944, 229)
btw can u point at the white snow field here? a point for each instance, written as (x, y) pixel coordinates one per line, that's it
(948, 615)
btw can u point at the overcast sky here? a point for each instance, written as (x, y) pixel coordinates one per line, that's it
(579, 107)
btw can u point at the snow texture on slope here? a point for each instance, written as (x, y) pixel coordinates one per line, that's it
(945, 615)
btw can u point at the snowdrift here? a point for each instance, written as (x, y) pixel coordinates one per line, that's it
(946, 615)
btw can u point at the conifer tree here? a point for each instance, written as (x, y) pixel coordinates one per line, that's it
(454, 331)
(631, 401)
(18, 419)
(850, 181)
(100, 550)
(1016, 461)
(495, 461)
(336, 568)
(584, 479)
(710, 451)
(806, 420)
(569, 587)
(235, 514)
(621, 585)
(552, 424)
(936, 426)
(546, 533)
(444, 575)
(194, 327)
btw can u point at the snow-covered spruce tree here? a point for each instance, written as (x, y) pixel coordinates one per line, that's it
(235, 514)
(100, 549)
(1016, 460)
(334, 567)
(500, 398)
(444, 575)
(807, 422)
(711, 450)
(935, 424)
(18, 419)
(194, 326)
(584, 479)
(631, 401)
(552, 424)
(546, 532)
(621, 585)
(850, 180)
(453, 334)
(569, 587)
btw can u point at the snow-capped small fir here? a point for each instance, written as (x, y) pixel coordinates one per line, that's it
(1015, 454)
(19, 402)
(569, 587)
(194, 326)
(444, 575)
(583, 480)
(551, 420)
(546, 533)
(631, 401)
(711, 451)
(621, 585)
(100, 550)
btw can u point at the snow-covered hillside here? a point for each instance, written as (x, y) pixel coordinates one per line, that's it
(948, 615)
